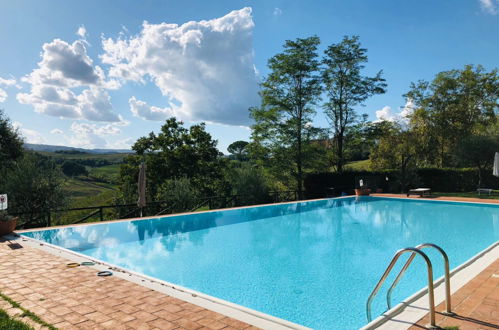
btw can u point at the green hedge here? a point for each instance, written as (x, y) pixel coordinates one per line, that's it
(438, 179)
(319, 184)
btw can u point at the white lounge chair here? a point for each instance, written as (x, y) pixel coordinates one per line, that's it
(419, 191)
(484, 190)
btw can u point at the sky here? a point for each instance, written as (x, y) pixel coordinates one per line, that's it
(100, 74)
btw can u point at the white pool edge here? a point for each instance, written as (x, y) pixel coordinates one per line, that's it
(232, 310)
(415, 307)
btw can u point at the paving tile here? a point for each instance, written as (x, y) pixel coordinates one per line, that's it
(162, 324)
(75, 318)
(97, 317)
(60, 310)
(144, 317)
(187, 324)
(212, 323)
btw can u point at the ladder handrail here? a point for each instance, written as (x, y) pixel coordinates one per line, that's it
(429, 267)
(409, 261)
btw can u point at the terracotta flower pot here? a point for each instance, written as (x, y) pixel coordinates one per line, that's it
(7, 227)
(362, 192)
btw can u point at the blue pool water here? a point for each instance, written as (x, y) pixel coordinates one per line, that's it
(313, 263)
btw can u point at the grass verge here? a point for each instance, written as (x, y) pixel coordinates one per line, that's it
(26, 313)
(6, 322)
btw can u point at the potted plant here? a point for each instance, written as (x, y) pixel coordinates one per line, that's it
(362, 191)
(7, 223)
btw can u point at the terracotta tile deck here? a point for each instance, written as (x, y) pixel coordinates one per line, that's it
(75, 298)
(476, 304)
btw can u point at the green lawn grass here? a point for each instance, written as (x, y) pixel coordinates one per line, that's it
(359, 165)
(6, 322)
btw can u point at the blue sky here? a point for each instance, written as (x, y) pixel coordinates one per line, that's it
(93, 74)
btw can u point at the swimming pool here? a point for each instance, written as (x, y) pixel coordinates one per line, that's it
(313, 263)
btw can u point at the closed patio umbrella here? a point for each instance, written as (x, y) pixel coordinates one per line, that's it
(496, 165)
(141, 202)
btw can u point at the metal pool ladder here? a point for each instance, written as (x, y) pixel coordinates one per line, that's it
(431, 298)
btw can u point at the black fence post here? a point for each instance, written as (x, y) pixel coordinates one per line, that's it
(101, 215)
(49, 219)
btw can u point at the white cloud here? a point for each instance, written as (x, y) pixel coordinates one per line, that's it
(489, 6)
(66, 65)
(407, 110)
(204, 69)
(121, 144)
(402, 117)
(95, 105)
(3, 95)
(7, 82)
(87, 135)
(56, 131)
(29, 135)
(82, 32)
(385, 114)
(142, 110)
(277, 11)
(63, 68)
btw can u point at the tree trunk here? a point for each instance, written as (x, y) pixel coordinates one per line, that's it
(299, 171)
(339, 153)
(479, 177)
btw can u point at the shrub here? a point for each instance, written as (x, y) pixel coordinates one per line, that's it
(248, 182)
(318, 184)
(438, 179)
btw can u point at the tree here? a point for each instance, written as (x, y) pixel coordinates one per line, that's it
(179, 194)
(11, 143)
(176, 152)
(238, 150)
(73, 168)
(289, 93)
(249, 183)
(346, 88)
(396, 150)
(34, 185)
(453, 106)
(478, 151)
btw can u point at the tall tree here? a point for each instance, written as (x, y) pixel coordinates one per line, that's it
(289, 93)
(11, 143)
(34, 185)
(238, 150)
(478, 151)
(346, 88)
(174, 153)
(396, 150)
(453, 106)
